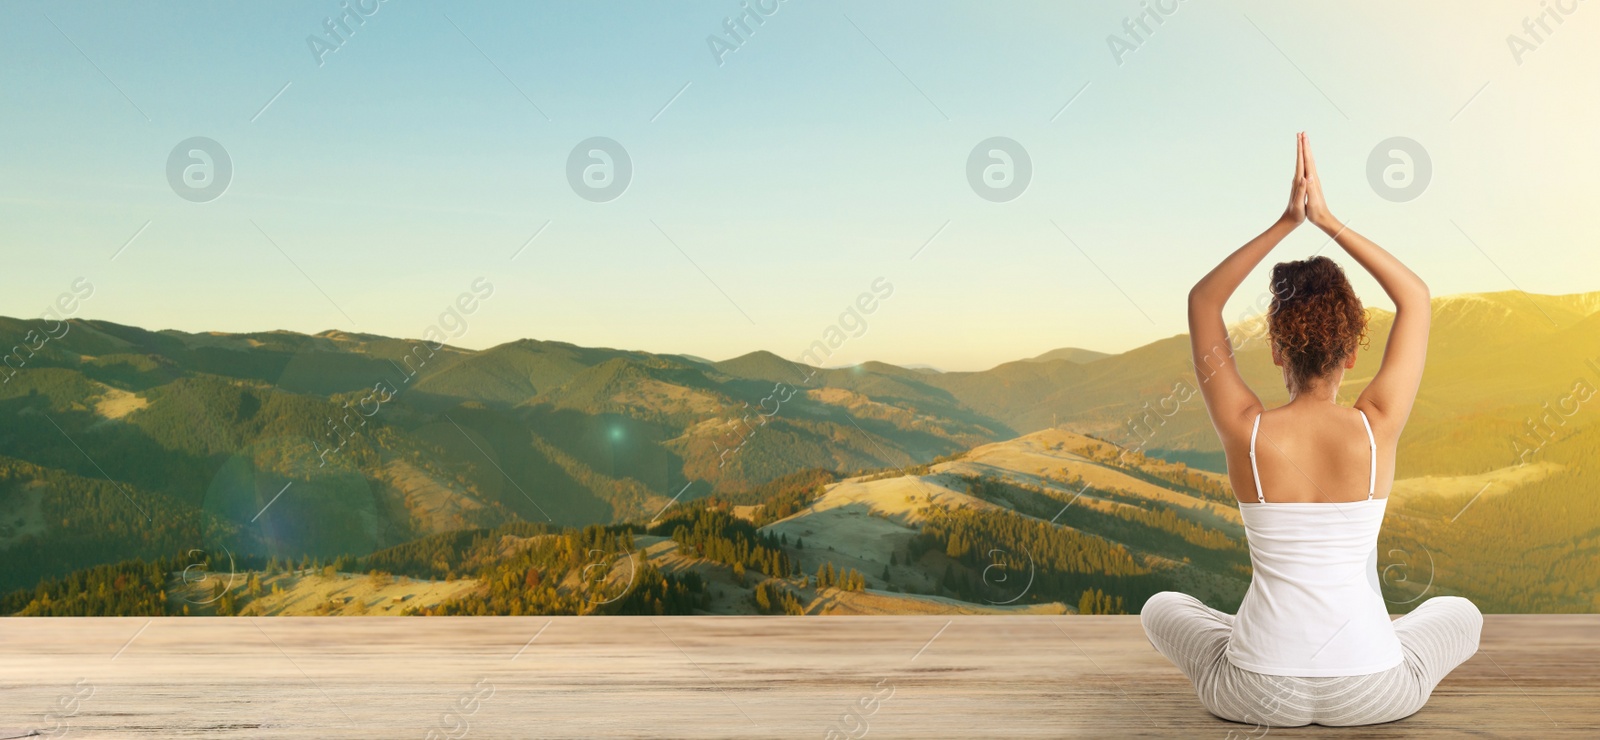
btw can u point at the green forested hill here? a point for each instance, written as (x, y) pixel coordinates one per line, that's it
(289, 445)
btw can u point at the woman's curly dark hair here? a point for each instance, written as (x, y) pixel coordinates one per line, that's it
(1316, 320)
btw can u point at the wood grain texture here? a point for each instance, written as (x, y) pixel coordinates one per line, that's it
(975, 676)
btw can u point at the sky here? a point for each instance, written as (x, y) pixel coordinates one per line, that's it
(776, 175)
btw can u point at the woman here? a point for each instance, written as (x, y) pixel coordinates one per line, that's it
(1312, 642)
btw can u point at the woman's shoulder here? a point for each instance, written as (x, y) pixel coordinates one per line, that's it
(1385, 428)
(1235, 427)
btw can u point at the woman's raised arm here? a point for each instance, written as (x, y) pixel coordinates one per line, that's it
(1229, 401)
(1390, 395)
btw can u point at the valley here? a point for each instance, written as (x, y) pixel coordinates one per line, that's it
(1071, 481)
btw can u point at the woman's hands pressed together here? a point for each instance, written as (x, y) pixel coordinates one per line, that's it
(1295, 214)
(1305, 193)
(1316, 208)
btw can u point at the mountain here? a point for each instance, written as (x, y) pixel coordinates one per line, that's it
(118, 442)
(1495, 362)
(290, 445)
(511, 373)
(965, 536)
(1070, 354)
(1051, 522)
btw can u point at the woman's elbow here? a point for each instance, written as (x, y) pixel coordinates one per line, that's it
(1420, 295)
(1201, 301)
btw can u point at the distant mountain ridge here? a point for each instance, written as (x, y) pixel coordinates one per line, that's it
(1071, 354)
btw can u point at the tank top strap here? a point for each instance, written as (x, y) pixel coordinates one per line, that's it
(1254, 471)
(1372, 445)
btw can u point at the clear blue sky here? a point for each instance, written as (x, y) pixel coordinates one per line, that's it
(817, 157)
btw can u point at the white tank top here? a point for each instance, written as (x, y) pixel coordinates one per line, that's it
(1314, 607)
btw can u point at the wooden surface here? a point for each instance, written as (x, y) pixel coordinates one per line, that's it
(487, 677)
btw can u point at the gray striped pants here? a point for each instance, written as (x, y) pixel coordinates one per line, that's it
(1438, 636)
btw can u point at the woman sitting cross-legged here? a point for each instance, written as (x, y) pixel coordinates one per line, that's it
(1312, 642)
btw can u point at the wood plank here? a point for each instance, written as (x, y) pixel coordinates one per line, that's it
(979, 676)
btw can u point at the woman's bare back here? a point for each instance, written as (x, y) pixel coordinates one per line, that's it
(1310, 453)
